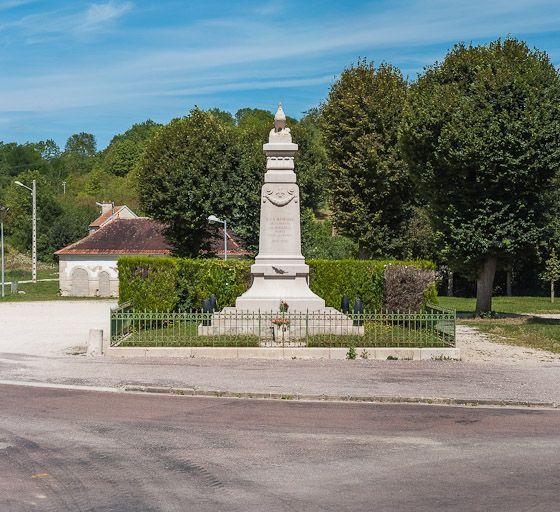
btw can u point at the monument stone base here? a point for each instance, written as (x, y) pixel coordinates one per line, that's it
(268, 326)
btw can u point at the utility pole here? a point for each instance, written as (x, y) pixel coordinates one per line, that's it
(34, 234)
(33, 190)
(3, 211)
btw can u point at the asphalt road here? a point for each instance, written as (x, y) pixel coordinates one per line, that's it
(64, 450)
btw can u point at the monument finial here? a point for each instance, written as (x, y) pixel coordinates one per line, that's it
(279, 119)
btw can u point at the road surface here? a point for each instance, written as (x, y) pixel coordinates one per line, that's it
(63, 450)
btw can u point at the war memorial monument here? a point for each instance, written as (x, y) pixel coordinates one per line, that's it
(280, 276)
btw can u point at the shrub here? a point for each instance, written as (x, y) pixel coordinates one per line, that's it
(407, 287)
(184, 283)
(149, 283)
(201, 278)
(351, 354)
(363, 279)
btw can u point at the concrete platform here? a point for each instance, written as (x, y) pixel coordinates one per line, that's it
(233, 321)
(412, 354)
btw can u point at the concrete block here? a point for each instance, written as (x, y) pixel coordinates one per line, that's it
(440, 353)
(399, 353)
(95, 342)
(306, 353)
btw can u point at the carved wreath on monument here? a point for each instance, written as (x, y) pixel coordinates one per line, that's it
(279, 197)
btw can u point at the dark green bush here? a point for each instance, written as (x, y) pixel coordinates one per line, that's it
(363, 279)
(201, 278)
(149, 283)
(171, 283)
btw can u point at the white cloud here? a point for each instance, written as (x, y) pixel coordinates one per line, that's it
(49, 25)
(99, 14)
(11, 4)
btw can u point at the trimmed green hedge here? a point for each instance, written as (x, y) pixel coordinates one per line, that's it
(175, 283)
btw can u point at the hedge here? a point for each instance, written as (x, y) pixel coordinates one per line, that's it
(173, 283)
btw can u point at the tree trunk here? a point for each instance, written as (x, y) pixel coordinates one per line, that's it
(509, 279)
(484, 285)
(551, 290)
(450, 284)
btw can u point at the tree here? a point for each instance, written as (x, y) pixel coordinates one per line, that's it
(48, 149)
(17, 158)
(188, 173)
(253, 127)
(79, 153)
(368, 180)
(481, 135)
(552, 272)
(81, 144)
(124, 151)
(311, 161)
(319, 241)
(18, 225)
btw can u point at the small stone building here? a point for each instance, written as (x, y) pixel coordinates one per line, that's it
(88, 267)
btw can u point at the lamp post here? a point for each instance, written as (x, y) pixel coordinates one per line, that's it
(33, 190)
(3, 210)
(213, 218)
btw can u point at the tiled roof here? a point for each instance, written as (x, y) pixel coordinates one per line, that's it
(104, 217)
(141, 236)
(123, 236)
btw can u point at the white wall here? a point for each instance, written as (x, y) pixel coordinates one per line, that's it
(93, 264)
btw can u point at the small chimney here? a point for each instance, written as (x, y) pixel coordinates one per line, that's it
(106, 207)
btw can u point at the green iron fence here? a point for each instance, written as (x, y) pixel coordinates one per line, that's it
(433, 327)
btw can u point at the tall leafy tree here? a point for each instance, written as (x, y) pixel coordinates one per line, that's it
(82, 144)
(311, 161)
(368, 180)
(186, 175)
(482, 137)
(253, 126)
(79, 153)
(125, 150)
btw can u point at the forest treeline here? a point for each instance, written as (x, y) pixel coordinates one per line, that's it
(459, 166)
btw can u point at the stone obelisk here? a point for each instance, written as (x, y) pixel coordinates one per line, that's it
(279, 272)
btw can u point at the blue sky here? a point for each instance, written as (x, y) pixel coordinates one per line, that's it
(69, 66)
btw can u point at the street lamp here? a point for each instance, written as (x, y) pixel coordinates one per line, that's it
(33, 190)
(3, 210)
(213, 218)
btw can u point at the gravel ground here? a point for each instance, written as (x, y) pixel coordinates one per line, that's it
(50, 327)
(488, 371)
(478, 347)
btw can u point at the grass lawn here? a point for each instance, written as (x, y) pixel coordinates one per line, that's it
(503, 304)
(185, 334)
(25, 275)
(534, 332)
(42, 290)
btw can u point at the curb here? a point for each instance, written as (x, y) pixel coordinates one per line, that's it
(463, 402)
(374, 399)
